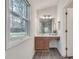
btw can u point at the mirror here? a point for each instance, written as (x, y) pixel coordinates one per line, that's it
(47, 25)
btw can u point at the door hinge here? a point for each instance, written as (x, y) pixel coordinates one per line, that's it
(66, 31)
(66, 13)
(66, 48)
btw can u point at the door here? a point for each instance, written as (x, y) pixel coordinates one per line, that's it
(70, 31)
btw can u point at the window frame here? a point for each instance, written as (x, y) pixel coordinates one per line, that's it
(26, 19)
(13, 43)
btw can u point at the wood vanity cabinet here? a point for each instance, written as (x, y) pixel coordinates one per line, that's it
(41, 43)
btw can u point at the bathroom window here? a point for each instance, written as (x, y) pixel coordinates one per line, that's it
(19, 18)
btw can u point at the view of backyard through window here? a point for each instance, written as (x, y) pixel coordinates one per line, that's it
(19, 18)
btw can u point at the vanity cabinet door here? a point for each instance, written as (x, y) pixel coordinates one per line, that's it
(46, 44)
(39, 43)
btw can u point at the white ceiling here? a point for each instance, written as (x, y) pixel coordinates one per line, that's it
(40, 4)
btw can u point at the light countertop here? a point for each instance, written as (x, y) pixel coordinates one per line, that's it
(46, 35)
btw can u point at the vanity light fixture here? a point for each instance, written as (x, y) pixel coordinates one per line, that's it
(46, 17)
